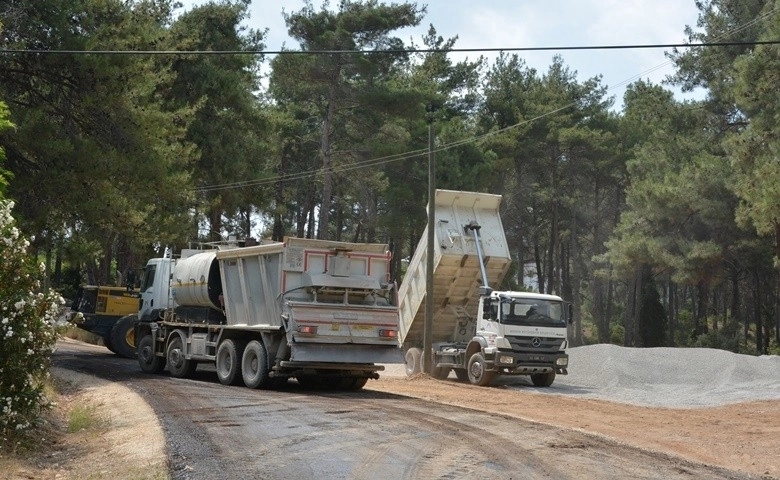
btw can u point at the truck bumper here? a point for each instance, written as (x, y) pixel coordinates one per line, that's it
(345, 353)
(521, 363)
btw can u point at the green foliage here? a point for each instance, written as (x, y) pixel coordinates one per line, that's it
(27, 332)
(95, 156)
(353, 95)
(723, 340)
(755, 148)
(617, 334)
(4, 124)
(225, 122)
(684, 334)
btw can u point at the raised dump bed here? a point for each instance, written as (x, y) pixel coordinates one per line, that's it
(456, 273)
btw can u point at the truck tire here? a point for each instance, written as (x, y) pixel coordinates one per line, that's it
(353, 384)
(107, 343)
(478, 372)
(123, 336)
(178, 364)
(229, 354)
(254, 366)
(412, 359)
(462, 374)
(147, 360)
(543, 379)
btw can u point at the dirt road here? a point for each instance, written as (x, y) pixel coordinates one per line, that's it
(204, 430)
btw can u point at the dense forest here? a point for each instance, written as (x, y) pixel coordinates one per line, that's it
(659, 222)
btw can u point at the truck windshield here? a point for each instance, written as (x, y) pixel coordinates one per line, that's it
(536, 312)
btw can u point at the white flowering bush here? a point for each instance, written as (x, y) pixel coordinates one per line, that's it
(27, 330)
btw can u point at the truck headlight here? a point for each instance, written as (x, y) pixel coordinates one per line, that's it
(562, 361)
(504, 359)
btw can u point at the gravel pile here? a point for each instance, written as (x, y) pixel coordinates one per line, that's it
(666, 377)
(656, 377)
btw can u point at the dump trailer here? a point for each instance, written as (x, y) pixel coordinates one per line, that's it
(110, 313)
(322, 312)
(476, 331)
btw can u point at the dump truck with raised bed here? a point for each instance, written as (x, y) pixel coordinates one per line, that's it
(108, 312)
(322, 312)
(475, 331)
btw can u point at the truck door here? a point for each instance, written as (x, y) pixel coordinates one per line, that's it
(155, 289)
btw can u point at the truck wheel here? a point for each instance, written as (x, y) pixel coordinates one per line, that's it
(478, 372)
(254, 366)
(353, 384)
(462, 374)
(178, 364)
(148, 361)
(228, 361)
(412, 360)
(543, 379)
(123, 336)
(107, 343)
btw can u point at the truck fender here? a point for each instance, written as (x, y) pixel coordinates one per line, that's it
(142, 328)
(476, 344)
(181, 334)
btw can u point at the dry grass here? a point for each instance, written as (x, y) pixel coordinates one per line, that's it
(76, 439)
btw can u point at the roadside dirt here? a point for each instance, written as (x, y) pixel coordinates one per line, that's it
(744, 437)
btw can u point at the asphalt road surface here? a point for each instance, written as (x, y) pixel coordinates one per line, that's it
(217, 432)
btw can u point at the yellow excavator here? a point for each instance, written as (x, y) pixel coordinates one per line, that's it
(110, 313)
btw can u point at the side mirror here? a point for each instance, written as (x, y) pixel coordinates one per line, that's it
(570, 312)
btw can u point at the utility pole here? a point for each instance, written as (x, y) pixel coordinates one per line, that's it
(427, 366)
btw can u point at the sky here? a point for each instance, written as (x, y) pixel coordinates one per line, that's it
(536, 23)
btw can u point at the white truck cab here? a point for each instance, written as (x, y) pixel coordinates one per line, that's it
(524, 333)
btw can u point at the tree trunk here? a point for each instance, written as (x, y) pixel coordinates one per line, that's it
(633, 309)
(758, 317)
(215, 224)
(700, 321)
(539, 268)
(552, 280)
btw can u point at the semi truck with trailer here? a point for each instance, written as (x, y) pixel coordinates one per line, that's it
(477, 332)
(322, 312)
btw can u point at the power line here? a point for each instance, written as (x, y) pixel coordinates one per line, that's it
(392, 51)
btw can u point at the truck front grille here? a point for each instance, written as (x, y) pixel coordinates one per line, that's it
(536, 344)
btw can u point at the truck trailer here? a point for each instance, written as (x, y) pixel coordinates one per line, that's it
(477, 332)
(322, 312)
